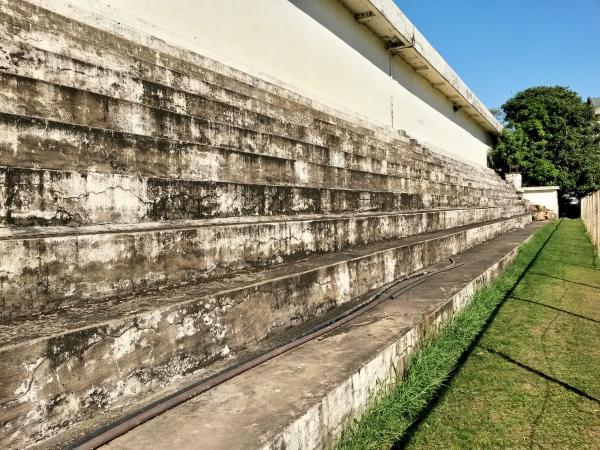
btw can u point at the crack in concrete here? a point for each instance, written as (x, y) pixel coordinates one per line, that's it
(29, 384)
(108, 189)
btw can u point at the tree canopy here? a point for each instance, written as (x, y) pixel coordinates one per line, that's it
(552, 138)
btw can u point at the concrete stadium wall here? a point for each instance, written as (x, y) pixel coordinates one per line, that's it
(313, 47)
(590, 214)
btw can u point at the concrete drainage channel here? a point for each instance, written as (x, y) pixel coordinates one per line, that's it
(390, 291)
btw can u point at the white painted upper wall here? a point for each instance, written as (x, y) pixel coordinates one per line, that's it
(316, 48)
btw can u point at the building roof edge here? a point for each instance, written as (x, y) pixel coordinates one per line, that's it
(389, 23)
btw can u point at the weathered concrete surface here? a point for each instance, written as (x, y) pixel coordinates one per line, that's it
(48, 198)
(161, 213)
(136, 110)
(66, 107)
(169, 53)
(68, 197)
(41, 274)
(92, 358)
(83, 198)
(353, 64)
(140, 166)
(189, 97)
(302, 399)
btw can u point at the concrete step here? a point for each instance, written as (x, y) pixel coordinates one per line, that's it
(61, 368)
(233, 112)
(187, 131)
(74, 198)
(301, 400)
(123, 55)
(48, 269)
(82, 148)
(116, 53)
(37, 142)
(35, 196)
(30, 97)
(91, 82)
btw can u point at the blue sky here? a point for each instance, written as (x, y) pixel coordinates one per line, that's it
(499, 47)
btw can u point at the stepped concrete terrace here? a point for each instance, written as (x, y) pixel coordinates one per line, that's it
(333, 376)
(162, 216)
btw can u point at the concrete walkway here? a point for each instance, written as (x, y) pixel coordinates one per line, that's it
(534, 379)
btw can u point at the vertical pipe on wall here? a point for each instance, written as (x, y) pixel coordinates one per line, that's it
(390, 56)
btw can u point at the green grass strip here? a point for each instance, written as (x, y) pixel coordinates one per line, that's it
(388, 417)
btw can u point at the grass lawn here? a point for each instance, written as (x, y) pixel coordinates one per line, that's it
(531, 381)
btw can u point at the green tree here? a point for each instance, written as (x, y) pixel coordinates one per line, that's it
(552, 138)
(498, 114)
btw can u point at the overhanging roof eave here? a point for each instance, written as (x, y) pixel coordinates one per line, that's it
(387, 22)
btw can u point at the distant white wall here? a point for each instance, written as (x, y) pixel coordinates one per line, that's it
(546, 196)
(317, 48)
